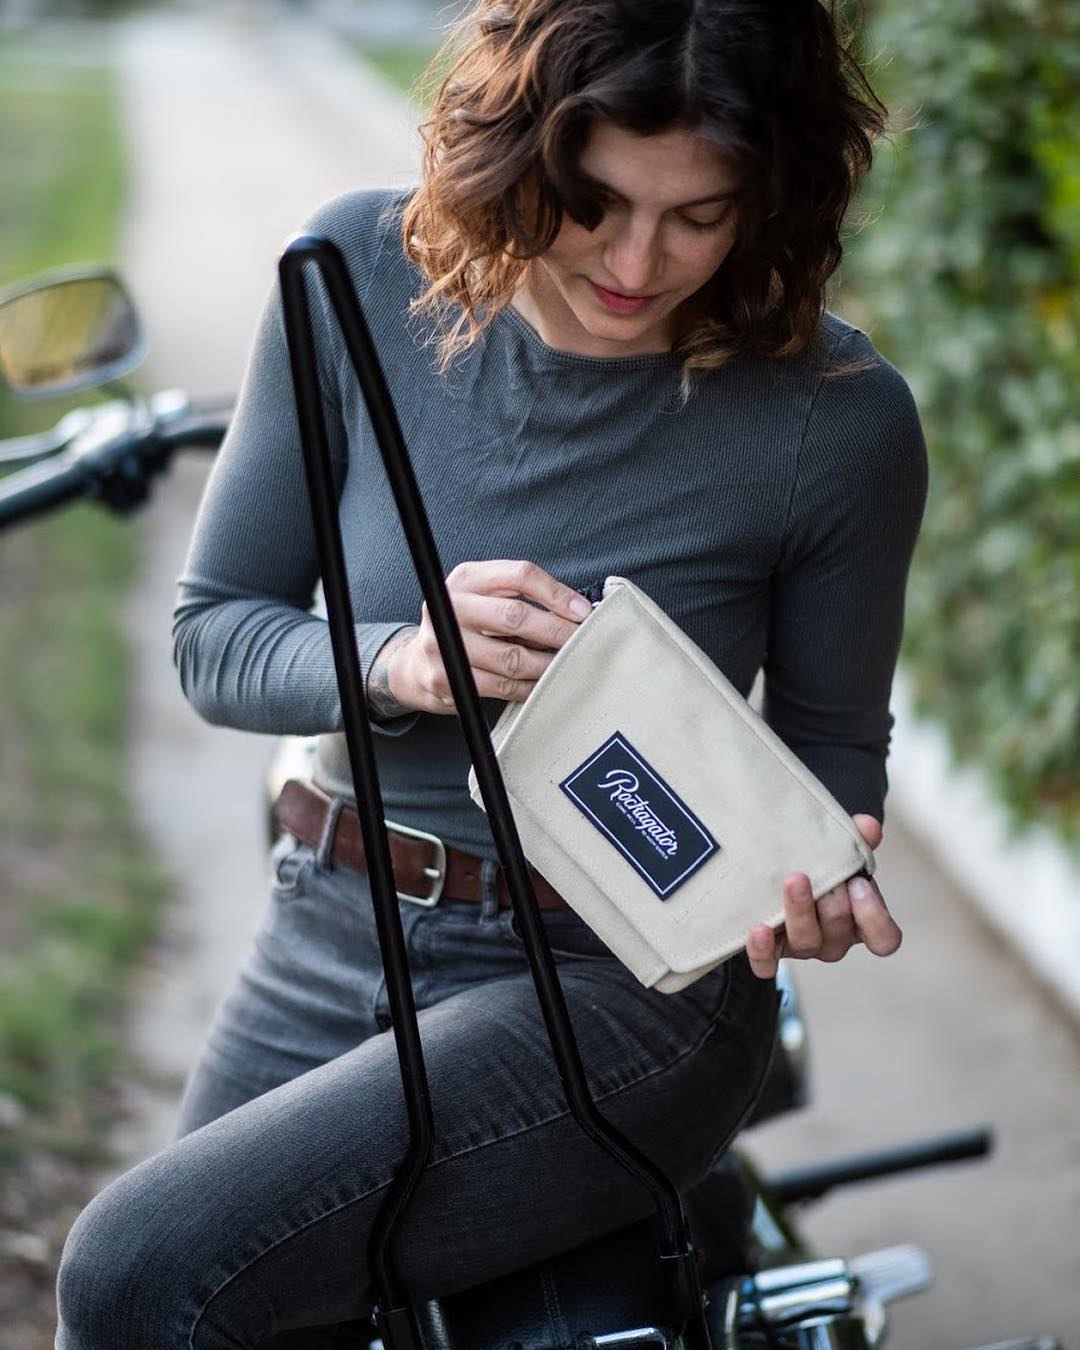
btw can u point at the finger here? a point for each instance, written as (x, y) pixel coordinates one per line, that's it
(800, 917)
(838, 931)
(510, 617)
(763, 947)
(487, 686)
(499, 656)
(880, 931)
(520, 577)
(500, 670)
(870, 828)
(498, 687)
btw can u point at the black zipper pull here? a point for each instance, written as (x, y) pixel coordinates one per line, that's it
(594, 593)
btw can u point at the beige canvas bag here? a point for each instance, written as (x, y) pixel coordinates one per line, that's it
(656, 801)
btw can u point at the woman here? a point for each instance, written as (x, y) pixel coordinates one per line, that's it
(602, 318)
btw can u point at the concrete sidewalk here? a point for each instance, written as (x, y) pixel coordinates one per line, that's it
(241, 125)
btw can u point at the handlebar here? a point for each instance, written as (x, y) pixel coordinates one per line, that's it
(109, 454)
(813, 1182)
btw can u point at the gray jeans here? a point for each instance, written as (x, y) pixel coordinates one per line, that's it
(256, 1220)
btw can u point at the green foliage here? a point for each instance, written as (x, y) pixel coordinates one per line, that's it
(61, 157)
(87, 9)
(78, 895)
(62, 164)
(967, 280)
(406, 65)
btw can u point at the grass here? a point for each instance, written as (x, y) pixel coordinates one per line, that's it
(79, 894)
(62, 167)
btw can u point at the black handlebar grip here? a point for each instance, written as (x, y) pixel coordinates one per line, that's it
(40, 488)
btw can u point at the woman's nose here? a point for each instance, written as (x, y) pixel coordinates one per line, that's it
(631, 257)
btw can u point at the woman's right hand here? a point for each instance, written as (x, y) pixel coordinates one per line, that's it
(509, 641)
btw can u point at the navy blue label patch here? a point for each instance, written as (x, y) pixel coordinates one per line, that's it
(634, 809)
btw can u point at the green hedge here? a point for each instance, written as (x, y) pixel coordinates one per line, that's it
(967, 280)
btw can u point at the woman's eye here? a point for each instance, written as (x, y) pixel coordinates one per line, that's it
(615, 206)
(704, 224)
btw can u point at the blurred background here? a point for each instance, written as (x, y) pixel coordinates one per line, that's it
(183, 143)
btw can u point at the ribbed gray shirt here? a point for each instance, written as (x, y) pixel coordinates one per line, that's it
(773, 517)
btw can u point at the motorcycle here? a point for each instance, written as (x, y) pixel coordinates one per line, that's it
(739, 1263)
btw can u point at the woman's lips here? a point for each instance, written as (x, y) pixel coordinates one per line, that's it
(621, 304)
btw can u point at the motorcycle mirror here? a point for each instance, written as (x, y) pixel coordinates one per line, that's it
(66, 331)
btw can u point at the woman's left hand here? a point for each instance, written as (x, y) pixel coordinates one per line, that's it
(853, 912)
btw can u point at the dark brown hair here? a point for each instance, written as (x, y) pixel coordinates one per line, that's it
(772, 82)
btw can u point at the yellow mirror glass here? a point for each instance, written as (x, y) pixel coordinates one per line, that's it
(65, 335)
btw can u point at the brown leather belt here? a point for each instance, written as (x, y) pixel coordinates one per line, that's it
(425, 869)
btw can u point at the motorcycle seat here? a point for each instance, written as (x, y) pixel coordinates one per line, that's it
(613, 1284)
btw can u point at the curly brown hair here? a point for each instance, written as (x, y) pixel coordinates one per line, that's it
(774, 85)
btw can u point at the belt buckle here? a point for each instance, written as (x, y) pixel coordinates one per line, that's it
(436, 873)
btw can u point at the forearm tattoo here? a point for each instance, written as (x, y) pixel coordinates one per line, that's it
(381, 702)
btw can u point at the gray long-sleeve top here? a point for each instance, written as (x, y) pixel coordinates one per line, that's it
(773, 517)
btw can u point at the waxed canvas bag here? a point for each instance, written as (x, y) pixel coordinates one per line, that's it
(660, 805)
